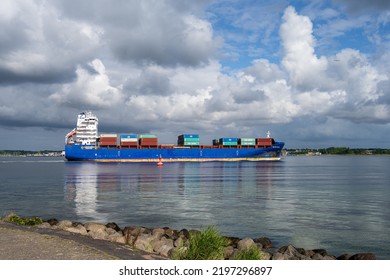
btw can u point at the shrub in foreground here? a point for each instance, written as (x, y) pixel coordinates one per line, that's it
(253, 253)
(24, 221)
(208, 244)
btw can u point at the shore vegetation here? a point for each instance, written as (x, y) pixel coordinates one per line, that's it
(339, 151)
(253, 253)
(13, 218)
(207, 244)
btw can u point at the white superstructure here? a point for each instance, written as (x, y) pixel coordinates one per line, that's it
(86, 131)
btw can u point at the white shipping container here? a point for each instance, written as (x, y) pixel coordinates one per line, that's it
(123, 140)
(108, 135)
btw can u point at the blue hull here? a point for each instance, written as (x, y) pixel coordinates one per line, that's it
(176, 154)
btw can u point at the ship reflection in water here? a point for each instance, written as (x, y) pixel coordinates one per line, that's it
(178, 195)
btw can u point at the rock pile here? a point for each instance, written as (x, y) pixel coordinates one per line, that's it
(165, 241)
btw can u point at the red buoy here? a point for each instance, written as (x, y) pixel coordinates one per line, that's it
(160, 163)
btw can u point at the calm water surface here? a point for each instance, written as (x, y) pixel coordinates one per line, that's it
(338, 203)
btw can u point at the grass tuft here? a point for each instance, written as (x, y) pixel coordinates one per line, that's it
(253, 253)
(208, 244)
(25, 222)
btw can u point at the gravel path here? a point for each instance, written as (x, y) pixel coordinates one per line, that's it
(31, 243)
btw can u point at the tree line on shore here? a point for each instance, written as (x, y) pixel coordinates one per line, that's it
(23, 153)
(339, 151)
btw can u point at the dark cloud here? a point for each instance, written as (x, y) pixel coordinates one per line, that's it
(38, 45)
(152, 81)
(160, 32)
(46, 76)
(362, 6)
(242, 97)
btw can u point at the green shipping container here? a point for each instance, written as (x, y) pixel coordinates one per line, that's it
(229, 143)
(247, 141)
(191, 140)
(191, 144)
(141, 136)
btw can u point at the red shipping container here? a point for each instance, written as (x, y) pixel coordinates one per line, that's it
(148, 141)
(129, 144)
(264, 141)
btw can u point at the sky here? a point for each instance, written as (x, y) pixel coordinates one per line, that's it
(316, 74)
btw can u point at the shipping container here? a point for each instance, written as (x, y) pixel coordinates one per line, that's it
(108, 135)
(228, 141)
(229, 144)
(247, 141)
(108, 143)
(188, 140)
(193, 143)
(129, 140)
(266, 142)
(147, 136)
(248, 144)
(129, 144)
(189, 136)
(148, 141)
(108, 139)
(129, 136)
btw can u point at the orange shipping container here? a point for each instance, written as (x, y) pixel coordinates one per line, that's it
(264, 141)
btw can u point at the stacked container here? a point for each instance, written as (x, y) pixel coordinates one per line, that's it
(148, 140)
(188, 140)
(129, 140)
(215, 142)
(247, 141)
(108, 139)
(228, 141)
(264, 142)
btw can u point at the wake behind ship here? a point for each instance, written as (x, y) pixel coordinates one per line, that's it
(84, 144)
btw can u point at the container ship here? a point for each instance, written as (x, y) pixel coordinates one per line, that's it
(84, 143)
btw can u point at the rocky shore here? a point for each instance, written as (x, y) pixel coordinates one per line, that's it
(165, 241)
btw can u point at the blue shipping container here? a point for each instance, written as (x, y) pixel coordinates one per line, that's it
(228, 140)
(123, 136)
(190, 135)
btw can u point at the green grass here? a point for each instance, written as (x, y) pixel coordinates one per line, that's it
(26, 222)
(253, 253)
(209, 244)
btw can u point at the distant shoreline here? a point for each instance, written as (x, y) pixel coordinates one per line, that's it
(33, 154)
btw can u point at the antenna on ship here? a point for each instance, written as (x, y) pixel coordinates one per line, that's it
(268, 134)
(160, 163)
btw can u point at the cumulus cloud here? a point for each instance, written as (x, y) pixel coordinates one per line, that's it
(160, 32)
(37, 45)
(90, 90)
(340, 85)
(305, 69)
